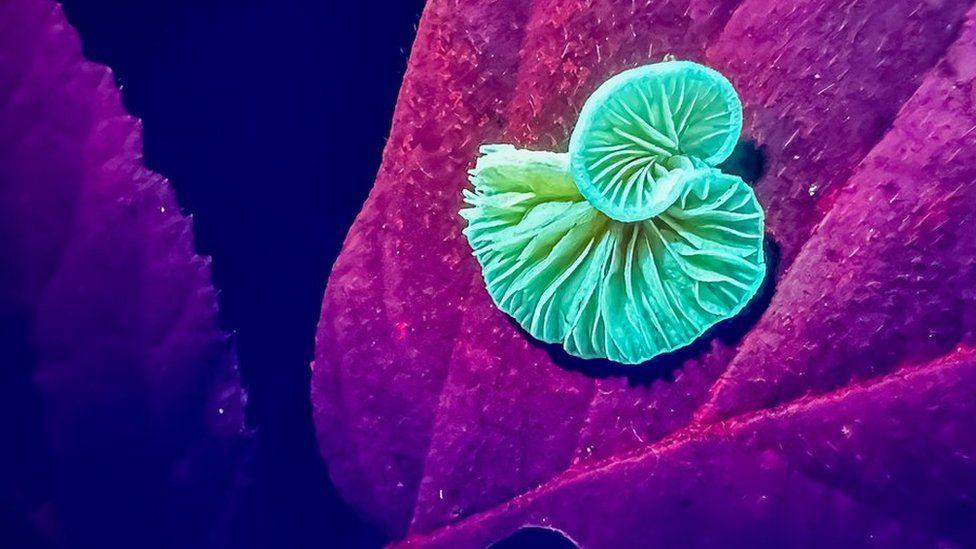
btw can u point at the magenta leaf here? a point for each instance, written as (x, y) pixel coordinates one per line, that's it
(858, 467)
(842, 416)
(120, 391)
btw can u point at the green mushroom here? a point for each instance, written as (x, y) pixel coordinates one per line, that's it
(642, 130)
(632, 244)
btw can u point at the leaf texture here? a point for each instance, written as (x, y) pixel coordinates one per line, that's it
(840, 417)
(120, 392)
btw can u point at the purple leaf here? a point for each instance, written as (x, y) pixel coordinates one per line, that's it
(120, 390)
(881, 464)
(833, 419)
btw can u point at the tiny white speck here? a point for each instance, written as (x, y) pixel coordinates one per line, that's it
(220, 410)
(162, 209)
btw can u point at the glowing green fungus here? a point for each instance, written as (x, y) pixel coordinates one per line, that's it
(643, 129)
(632, 244)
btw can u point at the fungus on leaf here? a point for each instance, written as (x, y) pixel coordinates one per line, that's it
(631, 245)
(841, 417)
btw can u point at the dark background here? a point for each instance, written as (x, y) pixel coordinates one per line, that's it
(269, 118)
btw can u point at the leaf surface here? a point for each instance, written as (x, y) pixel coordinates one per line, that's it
(120, 391)
(442, 421)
